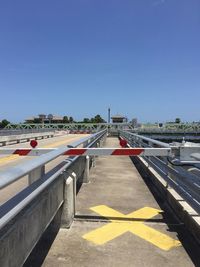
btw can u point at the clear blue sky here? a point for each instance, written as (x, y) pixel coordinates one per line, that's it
(141, 58)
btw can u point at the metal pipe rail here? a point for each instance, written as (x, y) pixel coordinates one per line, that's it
(11, 208)
(15, 173)
(129, 136)
(19, 138)
(185, 183)
(6, 132)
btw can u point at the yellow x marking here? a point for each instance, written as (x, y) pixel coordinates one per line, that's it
(116, 228)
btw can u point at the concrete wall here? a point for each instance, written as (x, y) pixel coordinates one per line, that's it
(5, 140)
(18, 238)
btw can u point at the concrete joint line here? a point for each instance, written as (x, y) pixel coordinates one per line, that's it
(116, 221)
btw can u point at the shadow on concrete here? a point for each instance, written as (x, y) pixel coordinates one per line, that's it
(79, 183)
(40, 251)
(108, 219)
(169, 218)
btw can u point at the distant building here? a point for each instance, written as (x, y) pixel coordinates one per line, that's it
(118, 119)
(42, 118)
(30, 119)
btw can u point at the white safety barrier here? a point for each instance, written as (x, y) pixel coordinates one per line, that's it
(91, 151)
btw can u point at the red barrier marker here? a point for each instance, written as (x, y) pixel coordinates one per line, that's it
(33, 143)
(123, 143)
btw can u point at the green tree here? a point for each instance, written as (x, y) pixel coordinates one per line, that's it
(4, 123)
(177, 120)
(98, 119)
(65, 119)
(71, 120)
(92, 120)
(86, 120)
(37, 120)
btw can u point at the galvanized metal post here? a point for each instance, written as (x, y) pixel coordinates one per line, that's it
(86, 176)
(93, 161)
(168, 173)
(73, 175)
(100, 142)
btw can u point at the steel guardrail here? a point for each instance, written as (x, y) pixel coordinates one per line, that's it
(185, 183)
(15, 173)
(153, 141)
(7, 132)
(9, 210)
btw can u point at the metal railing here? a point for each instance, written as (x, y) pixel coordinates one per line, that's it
(47, 202)
(35, 170)
(177, 176)
(70, 126)
(6, 132)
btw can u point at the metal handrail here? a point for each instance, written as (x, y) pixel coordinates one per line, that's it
(184, 182)
(153, 141)
(15, 173)
(8, 132)
(8, 210)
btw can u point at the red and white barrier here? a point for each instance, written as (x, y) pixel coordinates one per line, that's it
(25, 151)
(90, 151)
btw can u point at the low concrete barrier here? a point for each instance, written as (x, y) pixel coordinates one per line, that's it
(180, 207)
(18, 238)
(5, 140)
(20, 235)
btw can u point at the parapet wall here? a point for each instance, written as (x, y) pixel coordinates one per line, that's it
(6, 140)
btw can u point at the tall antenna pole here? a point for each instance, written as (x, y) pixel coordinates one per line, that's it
(108, 115)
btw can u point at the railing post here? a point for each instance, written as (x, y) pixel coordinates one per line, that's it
(36, 174)
(69, 205)
(93, 161)
(86, 176)
(168, 172)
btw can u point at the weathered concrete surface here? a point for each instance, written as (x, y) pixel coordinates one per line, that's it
(19, 236)
(116, 183)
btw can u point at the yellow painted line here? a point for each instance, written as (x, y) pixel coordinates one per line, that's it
(116, 228)
(59, 143)
(7, 159)
(106, 233)
(153, 236)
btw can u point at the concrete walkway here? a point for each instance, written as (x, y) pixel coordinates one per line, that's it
(110, 228)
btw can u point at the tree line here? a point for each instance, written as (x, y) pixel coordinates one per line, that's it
(66, 119)
(3, 123)
(96, 119)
